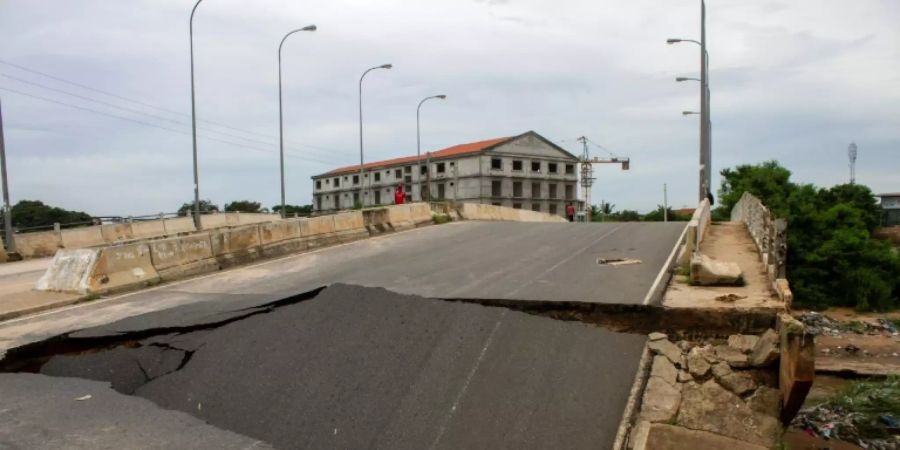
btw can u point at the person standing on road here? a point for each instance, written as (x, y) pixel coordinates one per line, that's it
(399, 195)
(570, 212)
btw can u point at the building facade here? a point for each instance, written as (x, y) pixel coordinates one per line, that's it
(890, 203)
(525, 171)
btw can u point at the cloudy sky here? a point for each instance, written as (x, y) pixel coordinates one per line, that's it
(792, 80)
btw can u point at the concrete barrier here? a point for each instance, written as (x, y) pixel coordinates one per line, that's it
(179, 225)
(148, 228)
(121, 267)
(116, 232)
(420, 213)
(696, 230)
(399, 216)
(183, 256)
(477, 211)
(280, 238)
(349, 226)
(39, 244)
(82, 237)
(233, 246)
(208, 221)
(70, 271)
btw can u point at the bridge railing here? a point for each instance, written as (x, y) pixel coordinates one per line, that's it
(768, 232)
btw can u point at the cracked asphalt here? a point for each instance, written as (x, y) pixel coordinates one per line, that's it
(357, 367)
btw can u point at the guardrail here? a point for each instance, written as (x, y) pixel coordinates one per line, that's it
(770, 236)
(696, 230)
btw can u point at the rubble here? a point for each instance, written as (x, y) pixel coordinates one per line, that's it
(743, 342)
(739, 383)
(656, 336)
(697, 363)
(710, 407)
(766, 350)
(664, 369)
(731, 355)
(706, 271)
(668, 349)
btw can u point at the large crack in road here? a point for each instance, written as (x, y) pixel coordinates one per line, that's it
(356, 367)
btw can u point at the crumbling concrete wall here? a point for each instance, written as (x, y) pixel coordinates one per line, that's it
(770, 236)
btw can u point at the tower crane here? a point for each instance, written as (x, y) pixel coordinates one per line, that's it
(587, 172)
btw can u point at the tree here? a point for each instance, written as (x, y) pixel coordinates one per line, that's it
(601, 212)
(657, 215)
(34, 213)
(303, 210)
(245, 206)
(627, 215)
(768, 181)
(206, 206)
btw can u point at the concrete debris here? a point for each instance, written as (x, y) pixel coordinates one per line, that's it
(738, 382)
(661, 401)
(684, 345)
(660, 436)
(710, 407)
(684, 376)
(655, 336)
(668, 349)
(731, 355)
(617, 261)
(766, 350)
(730, 298)
(697, 363)
(743, 342)
(706, 271)
(765, 400)
(663, 368)
(721, 369)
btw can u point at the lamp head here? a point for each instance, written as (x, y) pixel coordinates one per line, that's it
(442, 96)
(385, 66)
(680, 79)
(672, 41)
(308, 28)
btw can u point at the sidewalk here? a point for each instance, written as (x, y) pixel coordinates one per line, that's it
(16, 295)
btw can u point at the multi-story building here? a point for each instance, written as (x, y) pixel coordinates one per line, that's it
(890, 203)
(525, 171)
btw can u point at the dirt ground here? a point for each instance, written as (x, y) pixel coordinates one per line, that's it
(857, 344)
(727, 241)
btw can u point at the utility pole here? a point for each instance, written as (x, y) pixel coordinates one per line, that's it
(587, 178)
(665, 203)
(197, 223)
(7, 210)
(704, 109)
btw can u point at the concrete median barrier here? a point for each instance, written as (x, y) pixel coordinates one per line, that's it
(116, 232)
(39, 244)
(148, 228)
(179, 225)
(122, 267)
(69, 271)
(82, 237)
(399, 216)
(281, 237)
(183, 256)
(420, 213)
(349, 226)
(234, 246)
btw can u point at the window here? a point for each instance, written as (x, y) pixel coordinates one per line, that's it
(398, 174)
(377, 197)
(570, 169)
(517, 188)
(553, 208)
(337, 182)
(551, 167)
(377, 176)
(407, 169)
(440, 168)
(319, 202)
(517, 165)
(345, 179)
(327, 181)
(535, 190)
(496, 164)
(407, 179)
(355, 179)
(337, 201)
(536, 166)
(423, 169)
(552, 187)
(355, 198)
(408, 189)
(440, 191)
(496, 188)
(517, 206)
(452, 164)
(570, 192)
(536, 207)
(318, 184)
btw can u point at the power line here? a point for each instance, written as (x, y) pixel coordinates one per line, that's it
(148, 124)
(139, 102)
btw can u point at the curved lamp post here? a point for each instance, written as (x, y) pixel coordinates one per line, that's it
(419, 144)
(280, 114)
(194, 123)
(361, 166)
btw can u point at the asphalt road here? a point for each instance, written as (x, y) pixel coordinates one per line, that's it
(362, 367)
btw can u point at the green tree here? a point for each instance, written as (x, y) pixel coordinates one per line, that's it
(34, 213)
(303, 210)
(245, 206)
(768, 181)
(206, 206)
(626, 215)
(660, 213)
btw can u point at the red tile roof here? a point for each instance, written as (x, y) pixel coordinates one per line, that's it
(461, 149)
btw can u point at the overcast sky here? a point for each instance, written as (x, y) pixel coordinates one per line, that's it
(792, 80)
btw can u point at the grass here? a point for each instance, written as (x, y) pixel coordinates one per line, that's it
(896, 322)
(441, 218)
(855, 326)
(869, 399)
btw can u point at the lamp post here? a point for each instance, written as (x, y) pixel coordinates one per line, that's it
(194, 124)
(419, 145)
(7, 210)
(705, 123)
(361, 166)
(280, 114)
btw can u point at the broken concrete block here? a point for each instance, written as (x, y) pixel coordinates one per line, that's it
(655, 336)
(738, 382)
(664, 369)
(661, 401)
(731, 355)
(684, 376)
(743, 342)
(721, 369)
(668, 349)
(710, 407)
(706, 271)
(766, 350)
(659, 436)
(765, 400)
(697, 363)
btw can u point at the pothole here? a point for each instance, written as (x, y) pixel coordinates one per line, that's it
(617, 261)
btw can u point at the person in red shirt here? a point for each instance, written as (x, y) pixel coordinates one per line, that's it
(570, 212)
(399, 195)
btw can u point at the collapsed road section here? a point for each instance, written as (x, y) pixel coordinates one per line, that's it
(355, 367)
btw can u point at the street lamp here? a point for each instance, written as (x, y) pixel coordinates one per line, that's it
(419, 145)
(688, 113)
(361, 166)
(7, 210)
(280, 114)
(680, 79)
(194, 124)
